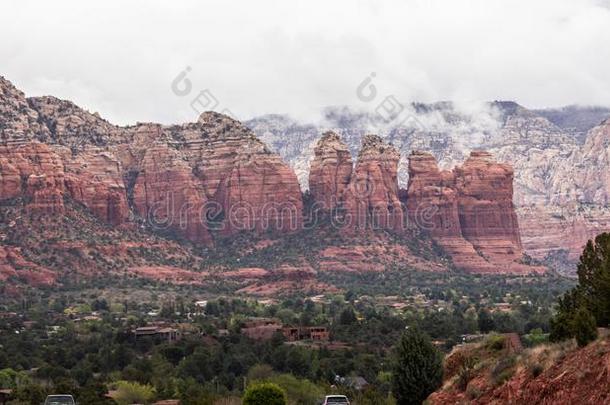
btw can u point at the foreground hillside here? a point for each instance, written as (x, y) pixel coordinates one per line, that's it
(498, 372)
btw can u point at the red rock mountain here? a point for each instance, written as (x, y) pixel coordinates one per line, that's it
(213, 179)
(368, 192)
(198, 179)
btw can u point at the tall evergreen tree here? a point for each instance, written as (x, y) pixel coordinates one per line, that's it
(594, 278)
(587, 305)
(418, 368)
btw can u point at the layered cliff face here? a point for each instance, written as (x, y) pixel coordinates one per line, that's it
(95, 179)
(468, 211)
(432, 199)
(197, 179)
(331, 170)
(485, 203)
(248, 187)
(35, 172)
(167, 195)
(371, 199)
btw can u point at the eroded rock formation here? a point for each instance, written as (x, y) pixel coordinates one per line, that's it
(213, 178)
(468, 211)
(485, 205)
(432, 199)
(371, 199)
(330, 172)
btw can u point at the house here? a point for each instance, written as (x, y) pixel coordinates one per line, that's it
(261, 328)
(255, 322)
(5, 395)
(158, 332)
(317, 333)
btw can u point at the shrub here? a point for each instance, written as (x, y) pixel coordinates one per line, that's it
(129, 392)
(466, 372)
(503, 370)
(536, 369)
(265, 394)
(585, 329)
(495, 342)
(473, 392)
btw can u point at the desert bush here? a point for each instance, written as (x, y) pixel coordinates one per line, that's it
(265, 394)
(503, 370)
(495, 342)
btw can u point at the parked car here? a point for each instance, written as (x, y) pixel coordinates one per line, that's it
(335, 400)
(59, 400)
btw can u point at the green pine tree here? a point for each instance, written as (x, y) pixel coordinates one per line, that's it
(587, 305)
(418, 368)
(585, 329)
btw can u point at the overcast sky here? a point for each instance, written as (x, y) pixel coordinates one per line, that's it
(255, 57)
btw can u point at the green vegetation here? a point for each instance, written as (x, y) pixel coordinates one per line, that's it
(265, 394)
(128, 392)
(587, 306)
(418, 368)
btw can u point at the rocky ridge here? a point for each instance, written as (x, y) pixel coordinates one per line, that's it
(469, 210)
(208, 182)
(558, 157)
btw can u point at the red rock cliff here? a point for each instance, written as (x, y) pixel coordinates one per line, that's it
(485, 203)
(35, 172)
(248, 187)
(330, 172)
(468, 211)
(432, 199)
(168, 196)
(371, 200)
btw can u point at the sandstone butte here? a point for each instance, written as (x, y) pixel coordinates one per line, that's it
(469, 211)
(214, 178)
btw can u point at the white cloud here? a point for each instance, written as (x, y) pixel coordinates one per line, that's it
(256, 57)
